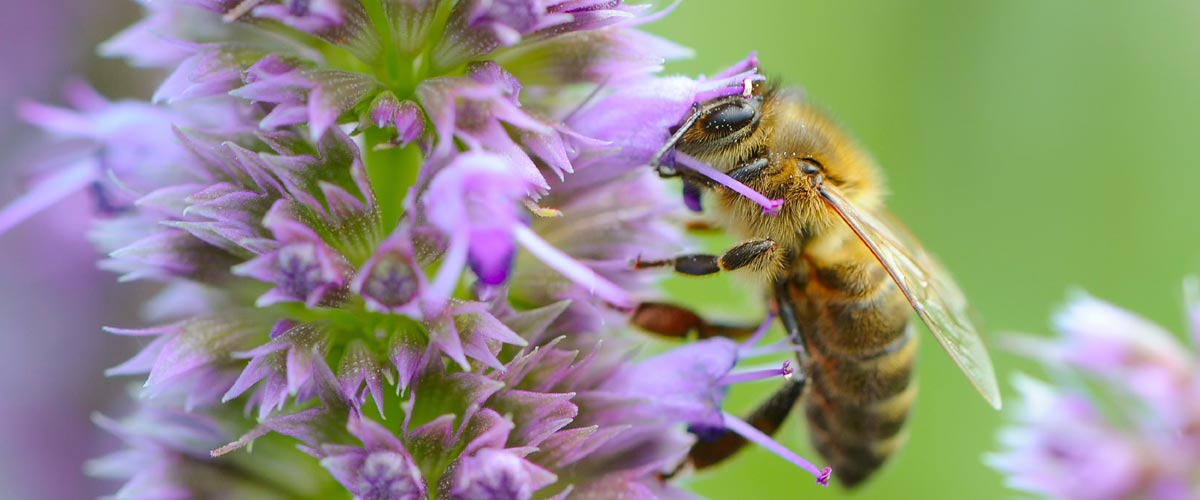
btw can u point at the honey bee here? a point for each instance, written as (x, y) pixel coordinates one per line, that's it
(843, 275)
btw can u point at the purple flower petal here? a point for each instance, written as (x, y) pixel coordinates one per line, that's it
(48, 192)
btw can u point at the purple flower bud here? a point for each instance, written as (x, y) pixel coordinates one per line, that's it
(381, 469)
(391, 279)
(491, 474)
(303, 268)
(406, 118)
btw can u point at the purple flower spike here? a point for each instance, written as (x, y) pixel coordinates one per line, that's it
(153, 42)
(126, 141)
(298, 94)
(206, 73)
(480, 115)
(1070, 441)
(312, 259)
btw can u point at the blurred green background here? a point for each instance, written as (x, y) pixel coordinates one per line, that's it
(1034, 146)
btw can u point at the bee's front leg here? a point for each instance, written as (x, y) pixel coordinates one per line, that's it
(669, 320)
(755, 254)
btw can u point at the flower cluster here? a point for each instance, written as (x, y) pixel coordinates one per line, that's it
(396, 233)
(1124, 422)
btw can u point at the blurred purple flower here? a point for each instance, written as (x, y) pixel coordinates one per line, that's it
(1126, 421)
(406, 252)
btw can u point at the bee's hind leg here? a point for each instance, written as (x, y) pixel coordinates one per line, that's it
(673, 321)
(715, 445)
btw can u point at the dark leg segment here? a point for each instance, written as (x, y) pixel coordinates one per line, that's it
(713, 446)
(791, 325)
(742, 255)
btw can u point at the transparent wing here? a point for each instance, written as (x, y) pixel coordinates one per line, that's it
(928, 287)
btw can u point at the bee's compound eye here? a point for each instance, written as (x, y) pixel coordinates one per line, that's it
(729, 117)
(809, 166)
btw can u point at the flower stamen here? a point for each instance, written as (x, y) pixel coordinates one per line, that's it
(749, 376)
(761, 332)
(770, 206)
(758, 437)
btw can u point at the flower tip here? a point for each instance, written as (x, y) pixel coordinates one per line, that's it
(773, 207)
(541, 211)
(224, 450)
(823, 477)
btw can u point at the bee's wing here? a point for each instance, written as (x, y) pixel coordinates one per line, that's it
(928, 287)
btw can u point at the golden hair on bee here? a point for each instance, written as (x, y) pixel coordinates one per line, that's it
(784, 128)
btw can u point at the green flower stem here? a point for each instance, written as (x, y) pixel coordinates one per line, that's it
(392, 172)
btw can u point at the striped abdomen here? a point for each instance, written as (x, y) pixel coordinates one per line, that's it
(855, 324)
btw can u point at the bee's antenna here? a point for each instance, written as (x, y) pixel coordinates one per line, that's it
(656, 160)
